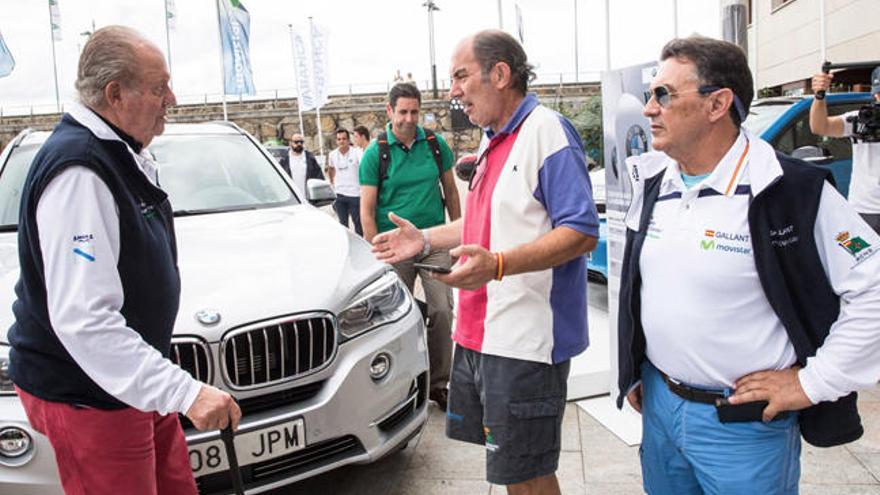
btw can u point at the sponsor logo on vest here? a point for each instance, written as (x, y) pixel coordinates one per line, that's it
(857, 247)
(783, 237)
(716, 240)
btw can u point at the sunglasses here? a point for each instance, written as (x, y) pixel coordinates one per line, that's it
(298, 142)
(663, 95)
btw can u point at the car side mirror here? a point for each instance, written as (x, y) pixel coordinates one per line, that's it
(812, 154)
(319, 192)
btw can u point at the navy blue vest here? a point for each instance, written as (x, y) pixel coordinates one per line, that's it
(147, 266)
(791, 275)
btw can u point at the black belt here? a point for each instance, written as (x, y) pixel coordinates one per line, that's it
(690, 393)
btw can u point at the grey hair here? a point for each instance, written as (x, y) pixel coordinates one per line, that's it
(111, 54)
(492, 46)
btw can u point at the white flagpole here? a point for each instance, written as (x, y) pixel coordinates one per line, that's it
(675, 17)
(607, 34)
(576, 68)
(54, 61)
(222, 62)
(168, 45)
(317, 107)
(822, 33)
(296, 76)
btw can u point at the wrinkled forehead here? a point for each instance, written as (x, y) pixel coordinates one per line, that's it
(675, 72)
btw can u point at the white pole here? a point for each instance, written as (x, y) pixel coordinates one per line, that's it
(607, 34)
(756, 9)
(675, 17)
(822, 33)
(318, 107)
(298, 88)
(500, 17)
(167, 45)
(54, 62)
(576, 70)
(222, 61)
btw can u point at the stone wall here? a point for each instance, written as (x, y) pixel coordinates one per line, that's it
(278, 118)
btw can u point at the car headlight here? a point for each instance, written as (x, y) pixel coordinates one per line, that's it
(6, 387)
(384, 301)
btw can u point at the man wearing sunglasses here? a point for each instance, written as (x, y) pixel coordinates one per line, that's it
(522, 311)
(300, 164)
(733, 341)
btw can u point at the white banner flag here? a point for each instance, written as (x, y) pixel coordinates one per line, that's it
(319, 64)
(170, 14)
(55, 19)
(519, 24)
(303, 72)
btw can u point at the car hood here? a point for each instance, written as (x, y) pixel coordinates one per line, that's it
(248, 266)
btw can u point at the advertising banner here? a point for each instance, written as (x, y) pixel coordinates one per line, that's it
(235, 28)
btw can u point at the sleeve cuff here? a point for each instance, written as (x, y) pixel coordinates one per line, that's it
(816, 389)
(192, 392)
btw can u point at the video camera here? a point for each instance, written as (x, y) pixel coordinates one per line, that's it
(866, 125)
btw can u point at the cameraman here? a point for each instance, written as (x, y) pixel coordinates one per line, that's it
(864, 187)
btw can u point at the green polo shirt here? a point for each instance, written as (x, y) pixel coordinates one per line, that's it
(412, 187)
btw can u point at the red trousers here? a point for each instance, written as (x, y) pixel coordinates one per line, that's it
(113, 452)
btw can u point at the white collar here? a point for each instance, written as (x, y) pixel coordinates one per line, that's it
(89, 119)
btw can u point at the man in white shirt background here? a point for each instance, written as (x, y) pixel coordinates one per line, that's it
(300, 164)
(342, 170)
(864, 186)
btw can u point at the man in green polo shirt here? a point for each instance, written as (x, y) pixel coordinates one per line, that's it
(411, 188)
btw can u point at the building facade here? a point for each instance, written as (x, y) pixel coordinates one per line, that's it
(785, 42)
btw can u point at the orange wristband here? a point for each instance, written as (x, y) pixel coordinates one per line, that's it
(499, 258)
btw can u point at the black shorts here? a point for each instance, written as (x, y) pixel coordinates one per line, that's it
(511, 406)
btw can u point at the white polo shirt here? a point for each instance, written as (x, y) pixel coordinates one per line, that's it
(706, 319)
(347, 166)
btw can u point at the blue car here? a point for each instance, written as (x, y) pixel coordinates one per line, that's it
(784, 122)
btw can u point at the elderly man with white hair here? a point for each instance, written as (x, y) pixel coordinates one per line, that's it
(99, 287)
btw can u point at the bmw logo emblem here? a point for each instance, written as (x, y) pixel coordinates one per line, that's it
(208, 317)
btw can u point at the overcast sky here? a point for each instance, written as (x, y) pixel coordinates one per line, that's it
(368, 41)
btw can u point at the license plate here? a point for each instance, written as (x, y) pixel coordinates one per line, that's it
(250, 447)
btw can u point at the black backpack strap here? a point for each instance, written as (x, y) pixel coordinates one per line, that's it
(435, 150)
(384, 158)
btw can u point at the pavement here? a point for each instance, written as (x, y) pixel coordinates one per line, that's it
(593, 461)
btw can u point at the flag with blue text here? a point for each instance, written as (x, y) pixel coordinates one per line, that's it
(55, 19)
(319, 64)
(235, 27)
(7, 63)
(303, 72)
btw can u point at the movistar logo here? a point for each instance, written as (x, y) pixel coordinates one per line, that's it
(716, 240)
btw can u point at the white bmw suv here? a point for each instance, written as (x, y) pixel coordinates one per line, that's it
(322, 345)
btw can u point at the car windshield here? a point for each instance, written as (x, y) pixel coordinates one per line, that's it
(201, 174)
(208, 173)
(764, 115)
